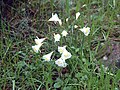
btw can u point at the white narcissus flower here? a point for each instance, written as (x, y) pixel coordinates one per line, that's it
(66, 55)
(61, 49)
(61, 63)
(84, 5)
(64, 33)
(36, 47)
(39, 41)
(55, 19)
(75, 26)
(105, 58)
(57, 37)
(77, 15)
(47, 57)
(66, 19)
(85, 30)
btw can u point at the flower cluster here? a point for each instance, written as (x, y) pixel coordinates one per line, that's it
(55, 18)
(61, 62)
(62, 50)
(65, 55)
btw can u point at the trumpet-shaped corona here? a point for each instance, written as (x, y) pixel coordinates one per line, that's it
(66, 55)
(61, 63)
(61, 49)
(85, 30)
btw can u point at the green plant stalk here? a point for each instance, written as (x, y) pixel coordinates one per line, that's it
(82, 46)
(13, 84)
(65, 39)
(52, 4)
(6, 52)
(67, 7)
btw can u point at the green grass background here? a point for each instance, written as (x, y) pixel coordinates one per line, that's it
(23, 69)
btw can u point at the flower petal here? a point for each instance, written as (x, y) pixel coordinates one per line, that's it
(77, 15)
(39, 41)
(57, 37)
(61, 63)
(36, 48)
(64, 33)
(85, 30)
(66, 55)
(55, 18)
(47, 57)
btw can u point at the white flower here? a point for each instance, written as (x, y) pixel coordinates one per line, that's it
(47, 57)
(75, 26)
(39, 41)
(77, 15)
(57, 37)
(66, 19)
(61, 63)
(84, 5)
(61, 49)
(66, 55)
(64, 33)
(55, 19)
(36, 47)
(85, 30)
(105, 58)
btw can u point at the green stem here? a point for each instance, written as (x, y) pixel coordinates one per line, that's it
(82, 45)
(13, 84)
